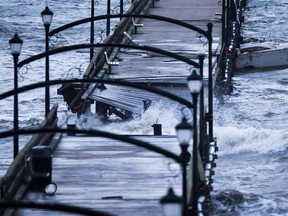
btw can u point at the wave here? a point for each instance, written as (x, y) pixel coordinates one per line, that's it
(233, 140)
(233, 203)
(159, 112)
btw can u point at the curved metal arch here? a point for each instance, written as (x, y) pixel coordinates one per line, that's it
(52, 206)
(85, 46)
(150, 16)
(122, 138)
(116, 82)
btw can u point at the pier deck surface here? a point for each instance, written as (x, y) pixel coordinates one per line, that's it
(137, 64)
(88, 169)
(111, 176)
(158, 70)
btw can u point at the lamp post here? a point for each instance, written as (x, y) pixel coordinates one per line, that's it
(195, 82)
(171, 204)
(16, 46)
(184, 133)
(47, 19)
(108, 19)
(121, 7)
(92, 29)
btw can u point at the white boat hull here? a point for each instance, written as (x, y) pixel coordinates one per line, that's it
(265, 59)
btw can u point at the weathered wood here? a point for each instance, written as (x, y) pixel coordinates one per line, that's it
(150, 68)
(112, 176)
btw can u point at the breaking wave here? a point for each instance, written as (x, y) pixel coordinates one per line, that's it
(233, 140)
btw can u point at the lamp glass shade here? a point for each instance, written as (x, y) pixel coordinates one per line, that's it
(171, 204)
(184, 132)
(171, 209)
(47, 16)
(194, 82)
(15, 45)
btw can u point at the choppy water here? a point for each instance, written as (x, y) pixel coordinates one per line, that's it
(250, 124)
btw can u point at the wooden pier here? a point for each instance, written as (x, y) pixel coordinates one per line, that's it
(113, 176)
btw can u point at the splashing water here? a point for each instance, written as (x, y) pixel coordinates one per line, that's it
(165, 113)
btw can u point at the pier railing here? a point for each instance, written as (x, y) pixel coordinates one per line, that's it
(232, 18)
(15, 175)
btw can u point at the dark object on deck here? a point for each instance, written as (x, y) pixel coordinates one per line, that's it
(71, 127)
(157, 129)
(41, 161)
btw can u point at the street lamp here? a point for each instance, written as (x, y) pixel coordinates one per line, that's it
(184, 133)
(171, 204)
(47, 19)
(16, 46)
(195, 82)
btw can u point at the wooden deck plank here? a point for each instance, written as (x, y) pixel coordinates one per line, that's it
(88, 169)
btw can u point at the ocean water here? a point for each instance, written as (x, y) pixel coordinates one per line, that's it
(250, 124)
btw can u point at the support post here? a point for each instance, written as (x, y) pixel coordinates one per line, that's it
(92, 30)
(121, 7)
(47, 88)
(223, 39)
(184, 154)
(108, 19)
(202, 120)
(16, 120)
(195, 156)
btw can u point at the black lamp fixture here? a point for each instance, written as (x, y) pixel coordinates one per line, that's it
(15, 46)
(194, 82)
(171, 204)
(47, 15)
(184, 132)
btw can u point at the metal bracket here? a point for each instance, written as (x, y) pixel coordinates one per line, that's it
(110, 63)
(131, 42)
